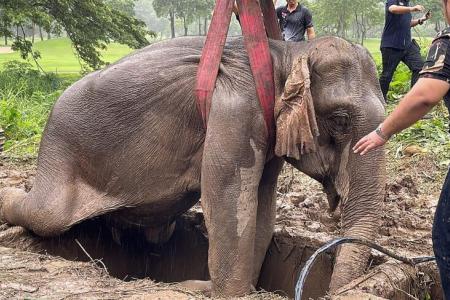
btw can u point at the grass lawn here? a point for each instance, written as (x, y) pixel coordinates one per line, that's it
(373, 45)
(57, 55)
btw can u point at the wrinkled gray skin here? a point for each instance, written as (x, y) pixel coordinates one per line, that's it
(128, 143)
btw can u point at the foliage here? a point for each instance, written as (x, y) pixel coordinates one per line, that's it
(343, 16)
(432, 134)
(187, 10)
(144, 11)
(90, 24)
(26, 98)
(57, 55)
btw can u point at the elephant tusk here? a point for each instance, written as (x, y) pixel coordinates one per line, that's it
(336, 242)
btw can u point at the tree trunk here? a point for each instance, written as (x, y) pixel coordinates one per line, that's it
(6, 40)
(40, 33)
(49, 35)
(205, 26)
(33, 30)
(172, 24)
(199, 26)
(185, 26)
(17, 31)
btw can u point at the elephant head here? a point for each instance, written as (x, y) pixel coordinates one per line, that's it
(330, 100)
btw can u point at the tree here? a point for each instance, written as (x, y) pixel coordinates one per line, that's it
(436, 17)
(347, 18)
(144, 11)
(90, 24)
(164, 8)
(185, 10)
(366, 14)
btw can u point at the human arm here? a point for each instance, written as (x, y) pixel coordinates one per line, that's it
(421, 20)
(399, 10)
(425, 94)
(310, 33)
(308, 23)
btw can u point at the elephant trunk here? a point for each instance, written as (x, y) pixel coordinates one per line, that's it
(360, 213)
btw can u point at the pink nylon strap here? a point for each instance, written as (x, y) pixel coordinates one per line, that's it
(257, 45)
(270, 19)
(211, 55)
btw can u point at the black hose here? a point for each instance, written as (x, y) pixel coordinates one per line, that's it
(309, 263)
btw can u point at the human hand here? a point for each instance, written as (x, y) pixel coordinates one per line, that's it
(417, 8)
(369, 142)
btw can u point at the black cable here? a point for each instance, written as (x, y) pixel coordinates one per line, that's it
(309, 263)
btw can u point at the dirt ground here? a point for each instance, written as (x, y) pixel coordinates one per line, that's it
(412, 192)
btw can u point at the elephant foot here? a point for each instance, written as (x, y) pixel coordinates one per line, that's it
(204, 287)
(19, 238)
(159, 235)
(9, 195)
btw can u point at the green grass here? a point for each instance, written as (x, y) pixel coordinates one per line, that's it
(373, 45)
(58, 55)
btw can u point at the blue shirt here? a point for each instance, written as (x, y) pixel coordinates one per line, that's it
(294, 24)
(397, 27)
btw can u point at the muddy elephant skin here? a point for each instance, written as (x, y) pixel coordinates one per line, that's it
(128, 143)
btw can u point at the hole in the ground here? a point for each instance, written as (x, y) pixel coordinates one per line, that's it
(185, 256)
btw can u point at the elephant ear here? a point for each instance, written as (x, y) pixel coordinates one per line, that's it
(294, 113)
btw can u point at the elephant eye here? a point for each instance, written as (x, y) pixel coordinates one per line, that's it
(340, 123)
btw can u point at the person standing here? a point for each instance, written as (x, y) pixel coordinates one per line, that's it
(432, 86)
(396, 42)
(295, 19)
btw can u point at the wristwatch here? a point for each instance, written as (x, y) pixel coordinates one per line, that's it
(381, 134)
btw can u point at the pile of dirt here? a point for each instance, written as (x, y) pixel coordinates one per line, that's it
(407, 214)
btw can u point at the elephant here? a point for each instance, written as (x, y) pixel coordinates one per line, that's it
(127, 143)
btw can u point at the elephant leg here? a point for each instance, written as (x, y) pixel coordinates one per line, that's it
(232, 166)
(160, 234)
(267, 196)
(54, 206)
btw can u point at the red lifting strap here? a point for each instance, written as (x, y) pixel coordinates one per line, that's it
(257, 45)
(270, 19)
(211, 55)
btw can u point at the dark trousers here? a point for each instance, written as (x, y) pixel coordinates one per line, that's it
(441, 236)
(392, 57)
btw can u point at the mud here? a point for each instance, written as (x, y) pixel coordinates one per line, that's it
(303, 224)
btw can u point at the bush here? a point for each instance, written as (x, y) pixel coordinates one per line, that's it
(26, 98)
(431, 134)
